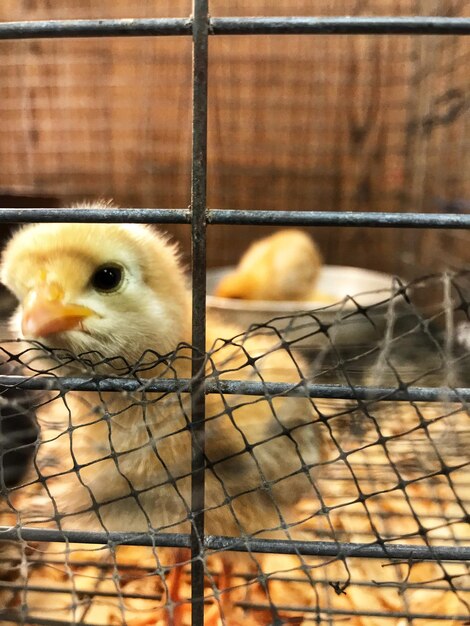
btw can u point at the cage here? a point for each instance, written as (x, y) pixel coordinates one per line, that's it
(371, 529)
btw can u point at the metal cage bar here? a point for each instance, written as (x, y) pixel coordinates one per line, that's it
(198, 271)
(248, 218)
(247, 388)
(200, 27)
(148, 27)
(383, 550)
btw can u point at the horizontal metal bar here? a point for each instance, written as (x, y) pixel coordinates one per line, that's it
(339, 392)
(340, 549)
(150, 27)
(340, 26)
(241, 387)
(339, 218)
(100, 216)
(163, 540)
(230, 216)
(252, 544)
(48, 29)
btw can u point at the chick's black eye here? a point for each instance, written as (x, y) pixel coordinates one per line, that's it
(107, 278)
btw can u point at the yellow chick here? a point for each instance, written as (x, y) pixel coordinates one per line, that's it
(116, 295)
(284, 266)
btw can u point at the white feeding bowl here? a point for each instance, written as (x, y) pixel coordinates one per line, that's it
(335, 308)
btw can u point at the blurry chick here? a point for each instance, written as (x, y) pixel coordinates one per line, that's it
(18, 435)
(284, 266)
(112, 290)
(18, 430)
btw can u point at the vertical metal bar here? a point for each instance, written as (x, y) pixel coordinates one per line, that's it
(198, 231)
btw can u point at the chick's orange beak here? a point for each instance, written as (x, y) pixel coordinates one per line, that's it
(45, 313)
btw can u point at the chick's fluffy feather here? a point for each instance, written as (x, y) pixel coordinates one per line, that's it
(124, 459)
(69, 254)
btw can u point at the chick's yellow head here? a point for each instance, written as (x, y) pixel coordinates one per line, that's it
(112, 288)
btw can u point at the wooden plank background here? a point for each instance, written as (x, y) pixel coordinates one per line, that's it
(306, 123)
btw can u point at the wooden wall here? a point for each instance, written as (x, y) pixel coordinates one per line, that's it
(307, 123)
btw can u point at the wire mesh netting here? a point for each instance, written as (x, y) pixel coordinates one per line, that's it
(363, 473)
